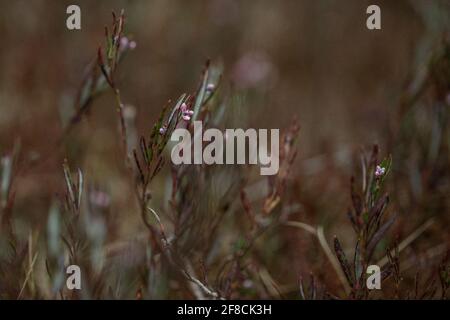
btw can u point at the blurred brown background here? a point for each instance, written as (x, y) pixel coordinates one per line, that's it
(314, 59)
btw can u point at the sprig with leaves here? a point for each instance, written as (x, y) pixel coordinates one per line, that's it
(100, 73)
(368, 221)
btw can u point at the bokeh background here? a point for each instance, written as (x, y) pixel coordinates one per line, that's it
(315, 60)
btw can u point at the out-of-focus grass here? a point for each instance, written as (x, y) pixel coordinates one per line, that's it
(159, 231)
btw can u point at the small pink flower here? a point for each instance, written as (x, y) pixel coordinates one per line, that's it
(100, 199)
(210, 87)
(379, 171)
(162, 130)
(186, 114)
(126, 43)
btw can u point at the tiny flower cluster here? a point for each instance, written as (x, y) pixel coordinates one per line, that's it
(126, 43)
(162, 130)
(186, 114)
(379, 171)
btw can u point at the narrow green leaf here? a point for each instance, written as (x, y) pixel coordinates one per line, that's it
(80, 188)
(200, 96)
(69, 183)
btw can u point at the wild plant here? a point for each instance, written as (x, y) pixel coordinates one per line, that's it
(223, 232)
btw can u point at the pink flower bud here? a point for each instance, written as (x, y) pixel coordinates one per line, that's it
(379, 171)
(186, 114)
(210, 87)
(124, 42)
(100, 199)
